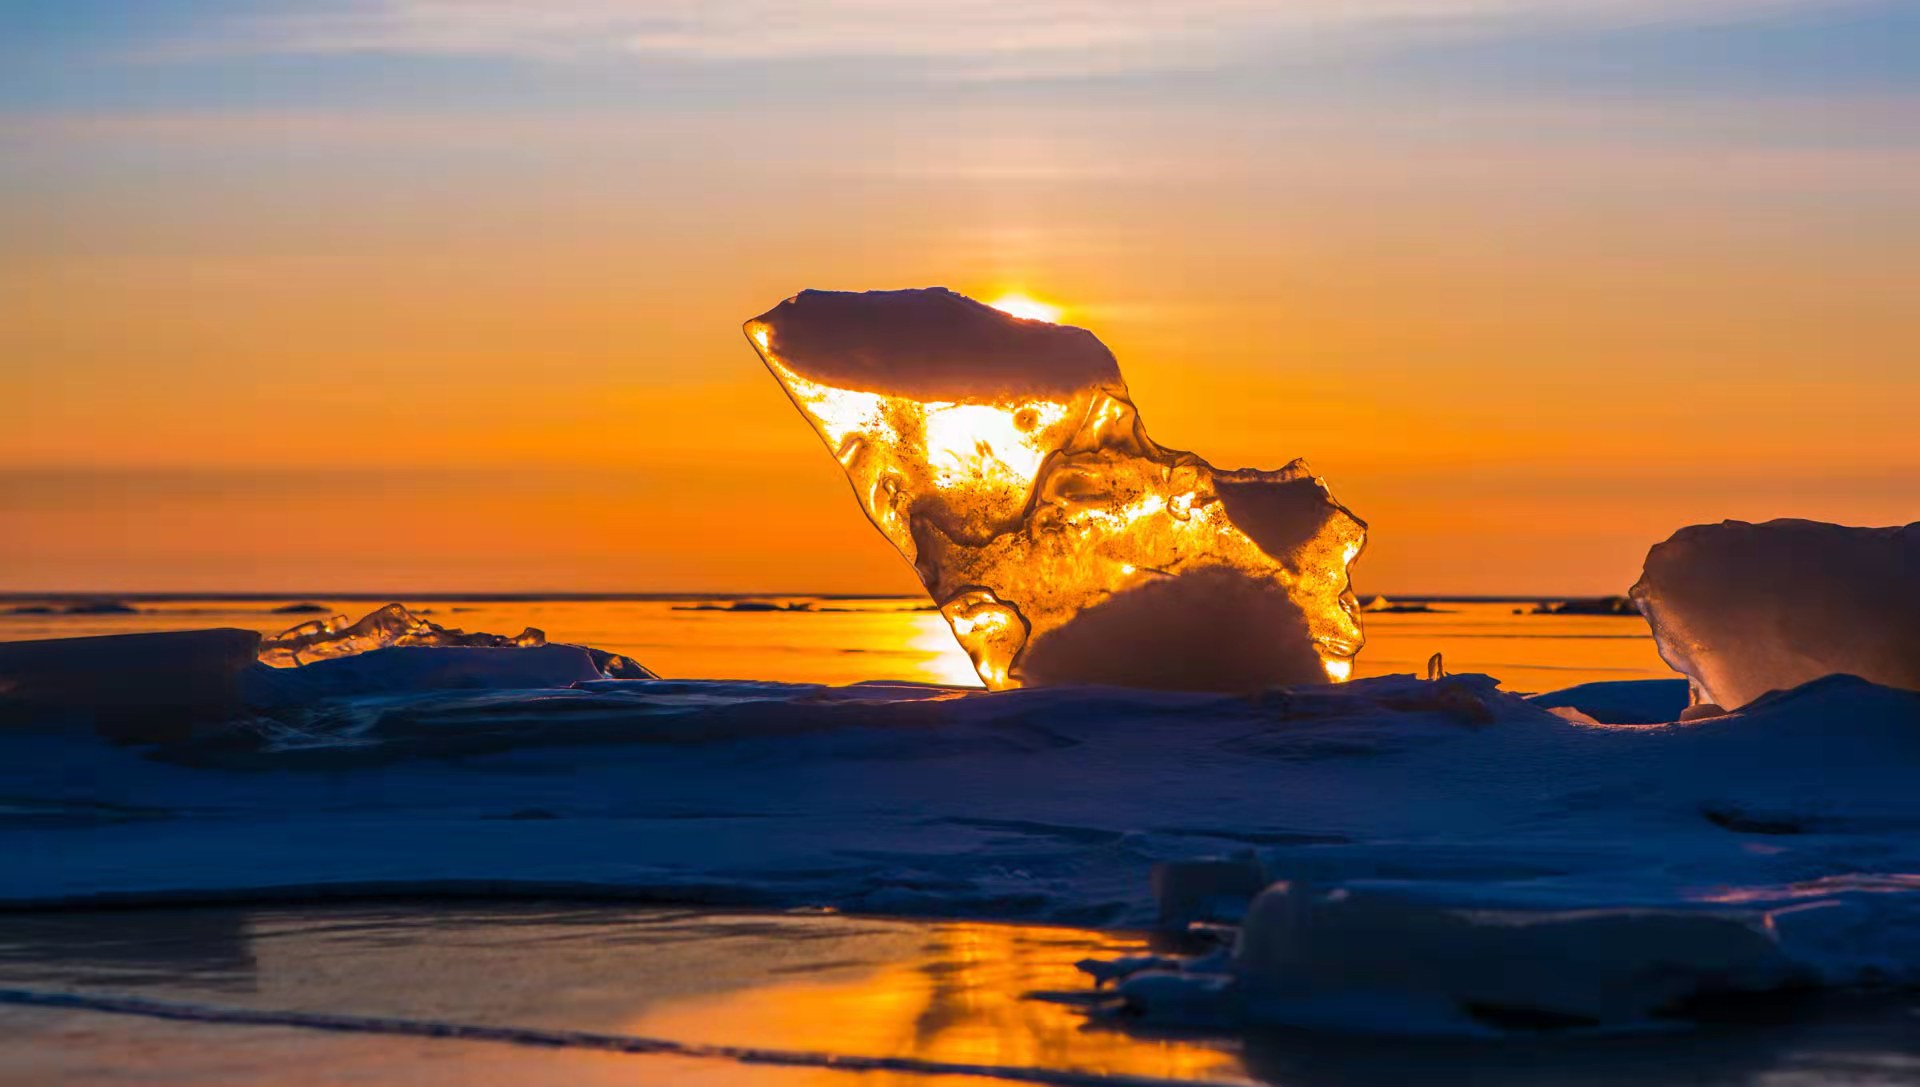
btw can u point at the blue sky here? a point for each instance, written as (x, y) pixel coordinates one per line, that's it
(136, 54)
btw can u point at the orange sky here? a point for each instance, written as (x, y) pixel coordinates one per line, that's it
(410, 345)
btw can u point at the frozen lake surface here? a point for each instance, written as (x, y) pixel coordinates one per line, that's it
(1411, 835)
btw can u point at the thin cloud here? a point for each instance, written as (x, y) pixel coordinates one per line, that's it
(976, 37)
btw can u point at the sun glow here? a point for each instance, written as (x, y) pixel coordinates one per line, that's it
(1030, 309)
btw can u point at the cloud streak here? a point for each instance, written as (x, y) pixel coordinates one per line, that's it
(977, 37)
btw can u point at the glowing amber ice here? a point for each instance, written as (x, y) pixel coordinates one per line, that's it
(392, 625)
(1004, 459)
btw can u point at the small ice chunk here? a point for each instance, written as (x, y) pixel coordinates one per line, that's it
(392, 625)
(618, 665)
(1004, 459)
(1743, 609)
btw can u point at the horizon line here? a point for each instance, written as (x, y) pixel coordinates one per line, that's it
(508, 597)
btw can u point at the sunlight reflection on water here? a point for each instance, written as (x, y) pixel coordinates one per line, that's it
(942, 991)
(846, 641)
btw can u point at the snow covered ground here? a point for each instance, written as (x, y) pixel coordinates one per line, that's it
(1456, 859)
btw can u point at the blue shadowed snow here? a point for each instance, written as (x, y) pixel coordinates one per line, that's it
(1451, 810)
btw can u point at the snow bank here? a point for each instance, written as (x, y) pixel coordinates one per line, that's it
(406, 669)
(150, 687)
(1634, 918)
(1452, 858)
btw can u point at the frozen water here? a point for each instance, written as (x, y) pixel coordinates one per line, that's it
(1423, 829)
(392, 625)
(1743, 609)
(1006, 462)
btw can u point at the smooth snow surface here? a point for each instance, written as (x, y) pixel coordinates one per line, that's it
(1618, 870)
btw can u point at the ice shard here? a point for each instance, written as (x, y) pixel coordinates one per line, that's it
(1743, 609)
(324, 639)
(1005, 460)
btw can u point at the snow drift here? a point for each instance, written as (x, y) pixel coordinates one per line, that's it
(1399, 854)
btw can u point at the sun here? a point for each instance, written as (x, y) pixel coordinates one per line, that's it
(1031, 309)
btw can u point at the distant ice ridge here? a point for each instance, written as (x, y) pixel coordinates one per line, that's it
(393, 625)
(1744, 609)
(323, 659)
(1450, 858)
(1005, 460)
(165, 686)
(393, 651)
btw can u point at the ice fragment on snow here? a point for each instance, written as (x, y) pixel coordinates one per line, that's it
(392, 625)
(1743, 609)
(1005, 460)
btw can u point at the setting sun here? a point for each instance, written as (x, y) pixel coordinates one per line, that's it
(1030, 309)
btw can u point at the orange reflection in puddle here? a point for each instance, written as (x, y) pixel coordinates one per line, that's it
(968, 997)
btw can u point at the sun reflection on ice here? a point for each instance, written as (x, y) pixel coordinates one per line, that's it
(1027, 308)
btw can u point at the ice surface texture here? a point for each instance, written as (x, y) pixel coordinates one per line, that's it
(1005, 460)
(1449, 852)
(1744, 609)
(392, 625)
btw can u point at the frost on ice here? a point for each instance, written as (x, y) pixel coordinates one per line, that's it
(392, 625)
(1743, 609)
(1006, 462)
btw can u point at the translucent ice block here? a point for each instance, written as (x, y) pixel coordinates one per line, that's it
(1743, 609)
(1005, 460)
(388, 626)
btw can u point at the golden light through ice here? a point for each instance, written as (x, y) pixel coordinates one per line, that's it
(1031, 309)
(1005, 460)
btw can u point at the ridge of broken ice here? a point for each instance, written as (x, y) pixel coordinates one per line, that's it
(392, 625)
(1005, 460)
